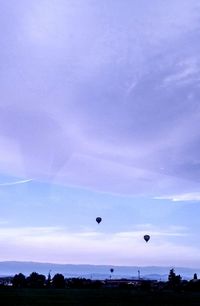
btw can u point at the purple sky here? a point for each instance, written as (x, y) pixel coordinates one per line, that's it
(101, 96)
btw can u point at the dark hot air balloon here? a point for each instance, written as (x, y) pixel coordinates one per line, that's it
(146, 238)
(98, 219)
(111, 271)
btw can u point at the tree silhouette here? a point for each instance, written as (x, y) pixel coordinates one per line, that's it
(58, 281)
(19, 281)
(173, 279)
(36, 280)
(48, 282)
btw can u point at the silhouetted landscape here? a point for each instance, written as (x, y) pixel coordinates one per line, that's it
(38, 289)
(101, 272)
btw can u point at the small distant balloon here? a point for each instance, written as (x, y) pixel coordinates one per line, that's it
(146, 238)
(98, 219)
(111, 270)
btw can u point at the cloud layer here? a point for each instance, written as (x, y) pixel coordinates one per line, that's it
(103, 95)
(55, 244)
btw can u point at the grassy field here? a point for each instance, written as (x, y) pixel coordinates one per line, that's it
(94, 297)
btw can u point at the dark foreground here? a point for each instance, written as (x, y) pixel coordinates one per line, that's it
(94, 297)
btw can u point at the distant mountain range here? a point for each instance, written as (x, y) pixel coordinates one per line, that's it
(8, 268)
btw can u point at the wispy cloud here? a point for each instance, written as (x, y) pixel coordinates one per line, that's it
(195, 196)
(185, 72)
(114, 127)
(15, 183)
(58, 244)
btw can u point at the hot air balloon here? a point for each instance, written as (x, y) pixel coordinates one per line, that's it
(98, 219)
(146, 238)
(111, 271)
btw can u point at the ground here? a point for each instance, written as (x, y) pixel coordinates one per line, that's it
(94, 297)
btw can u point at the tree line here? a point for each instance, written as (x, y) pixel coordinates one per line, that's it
(36, 280)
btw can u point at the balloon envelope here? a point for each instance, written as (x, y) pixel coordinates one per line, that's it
(98, 219)
(146, 238)
(111, 270)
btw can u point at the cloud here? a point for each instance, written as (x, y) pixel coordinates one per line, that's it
(181, 197)
(56, 244)
(15, 183)
(89, 101)
(186, 72)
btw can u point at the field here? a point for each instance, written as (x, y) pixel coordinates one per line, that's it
(94, 297)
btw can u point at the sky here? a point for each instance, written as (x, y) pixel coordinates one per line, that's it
(100, 116)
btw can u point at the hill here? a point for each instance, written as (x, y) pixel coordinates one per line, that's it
(8, 268)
